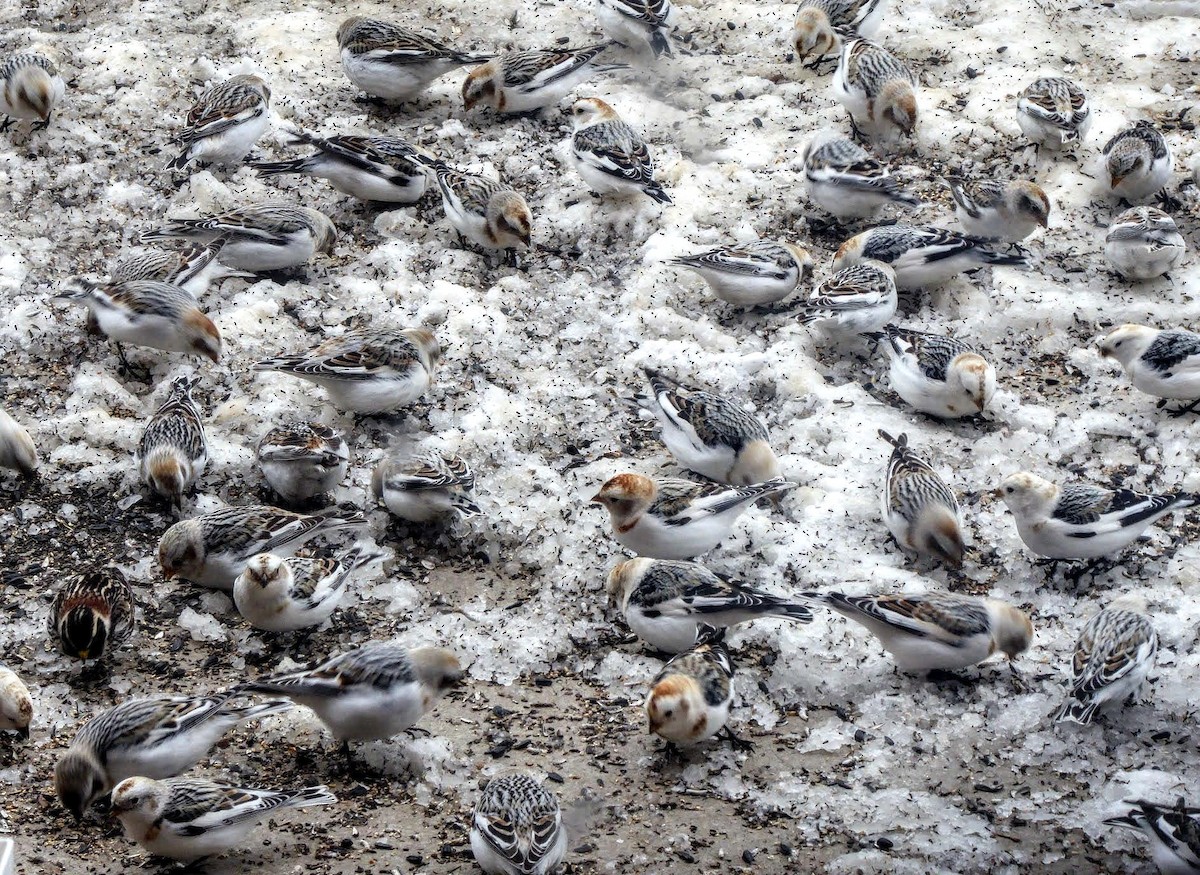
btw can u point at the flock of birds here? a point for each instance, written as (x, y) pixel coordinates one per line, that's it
(137, 750)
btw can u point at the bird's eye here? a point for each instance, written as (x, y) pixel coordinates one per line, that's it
(1118, 343)
(1008, 489)
(669, 713)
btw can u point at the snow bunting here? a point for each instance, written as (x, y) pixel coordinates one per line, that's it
(1165, 364)
(668, 603)
(823, 25)
(260, 237)
(188, 818)
(877, 89)
(369, 168)
(1080, 520)
(857, 299)
(147, 313)
(1143, 243)
(158, 737)
(609, 154)
(921, 256)
(846, 180)
(747, 275)
(1173, 833)
(666, 518)
(938, 375)
(225, 123)
(30, 88)
(1138, 162)
(17, 450)
(372, 692)
(690, 698)
(92, 614)
(213, 549)
(918, 507)
(1054, 111)
(194, 269)
(282, 595)
(16, 705)
(423, 487)
(517, 828)
(482, 210)
(173, 452)
(392, 62)
(518, 82)
(711, 435)
(637, 23)
(1113, 655)
(995, 210)
(935, 630)
(303, 460)
(367, 370)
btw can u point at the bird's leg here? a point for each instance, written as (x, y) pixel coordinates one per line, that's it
(196, 865)
(736, 741)
(42, 125)
(414, 731)
(8, 122)
(1187, 408)
(672, 755)
(1019, 684)
(941, 676)
(1169, 202)
(127, 368)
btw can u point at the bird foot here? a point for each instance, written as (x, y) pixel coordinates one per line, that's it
(1181, 411)
(736, 741)
(7, 124)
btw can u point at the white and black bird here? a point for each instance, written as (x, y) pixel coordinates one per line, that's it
(921, 256)
(392, 62)
(711, 435)
(173, 451)
(423, 487)
(1162, 363)
(751, 274)
(17, 449)
(381, 169)
(303, 460)
(611, 156)
(1173, 832)
(668, 603)
(938, 375)
(194, 269)
(30, 88)
(857, 299)
(995, 210)
(1143, 243)
(92, 614)
(517, 828)
(1137, 162)
(487, 212)
(225, 122)
(638, 24)
(878, 90)
(527, 81)
(918, 507)
(848, 181)
(1114, 654)
(690, 698)
(823, 25)
(278, 594)
(1081, 520)
(16, 705)
(1053, 111)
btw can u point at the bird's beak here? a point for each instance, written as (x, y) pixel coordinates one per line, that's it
(596, 499)
(652, 727)
(83, 654)
(1114, 181)
(23, 731)
(997, 492)
(1106, 352)
(1044, 221)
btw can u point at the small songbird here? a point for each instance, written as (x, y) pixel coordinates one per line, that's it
(609, 154)
(1143, 243)
(938, 375)
(517, 828)
(751, 274)
(213, 549)
(918, 507)
(846, 180)
(189, 818)
(303, 460)
(921, 256)
(668, 603)
(994, 210)
(711, 435)
(373, 692)
(194, 269)
(823, 25)
(259, 237)
(877, 89)
(1138, 162)
(935, 631)
(173, 452)
(367, 370)
(1080, 520)
(17, 450)
(392, 62)
(157, 737)
(1053, 111)
(690, 698)
(92, 614)
(426, 486)
(16, 705)
(1165, 364)
(488, 213)
(1173, 833)
(638, 23)
(857, 299)
(522, 82)
(666, 518)
(281, 595)
(1115, 652)
(147, 313)
(379, 169)
(225, 123)
(30, 88)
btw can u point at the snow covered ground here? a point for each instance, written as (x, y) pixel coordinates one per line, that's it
(856, 768)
